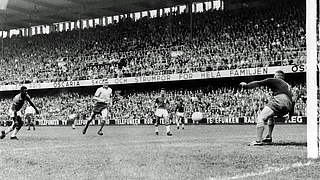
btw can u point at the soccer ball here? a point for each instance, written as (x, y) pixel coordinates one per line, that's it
(197, 116)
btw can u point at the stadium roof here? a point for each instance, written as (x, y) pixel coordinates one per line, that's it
(26, 13)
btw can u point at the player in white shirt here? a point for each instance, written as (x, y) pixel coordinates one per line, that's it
(29, 116)
(103, 101)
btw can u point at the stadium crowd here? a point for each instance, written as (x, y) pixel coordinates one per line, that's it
(268, 36)
(213, 102)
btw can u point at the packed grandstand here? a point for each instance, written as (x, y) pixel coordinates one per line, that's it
(220, 40)
(224, 102)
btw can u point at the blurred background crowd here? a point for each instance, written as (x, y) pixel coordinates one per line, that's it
(213, 102)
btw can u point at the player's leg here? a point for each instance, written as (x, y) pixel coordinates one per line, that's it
(13, 116)
(103, 122)
(156, 124)
(18, 124)
(29, 124)
(8, 130)
(104, 114)
(178, 120)
(263, 116)
(268, 138)
(73, 126)
(93, 114)
(28, 121)
(182, 121)
(167, 122)
(283, 109)
(73, 118)
(33, 123)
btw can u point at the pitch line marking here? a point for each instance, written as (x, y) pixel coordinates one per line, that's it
(54, 147)
(267, 171)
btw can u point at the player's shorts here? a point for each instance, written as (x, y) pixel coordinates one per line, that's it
(11, 113)
(180, 114)
(280, 104)
(161, 112)
(99, 107)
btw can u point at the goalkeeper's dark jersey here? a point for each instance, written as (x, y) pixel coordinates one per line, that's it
(278, 86)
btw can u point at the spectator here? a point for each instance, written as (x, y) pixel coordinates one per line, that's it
(256, 37)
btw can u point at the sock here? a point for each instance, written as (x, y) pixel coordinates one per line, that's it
(270, 130)
(182, 125)
(15, 131)
(168, 128)
(156, 129)
(260, 133)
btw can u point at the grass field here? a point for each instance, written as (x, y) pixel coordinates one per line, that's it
(134, 152)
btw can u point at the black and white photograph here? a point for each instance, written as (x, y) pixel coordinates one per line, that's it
(159, 89)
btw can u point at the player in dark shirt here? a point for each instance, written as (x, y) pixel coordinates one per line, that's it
(180, 114)
(162, 112)
(18, 102)
(280, 105)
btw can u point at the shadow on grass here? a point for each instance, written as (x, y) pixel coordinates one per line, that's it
(288, 144)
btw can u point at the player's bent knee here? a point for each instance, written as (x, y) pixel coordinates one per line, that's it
(260, 123)
(262, 119)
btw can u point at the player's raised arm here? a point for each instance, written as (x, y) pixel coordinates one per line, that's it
(31, 103)
(254, 84)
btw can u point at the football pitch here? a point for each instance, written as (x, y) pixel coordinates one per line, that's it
(135, 152)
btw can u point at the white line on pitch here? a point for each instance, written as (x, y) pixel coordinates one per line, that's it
(267, 171)
(55, 147)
